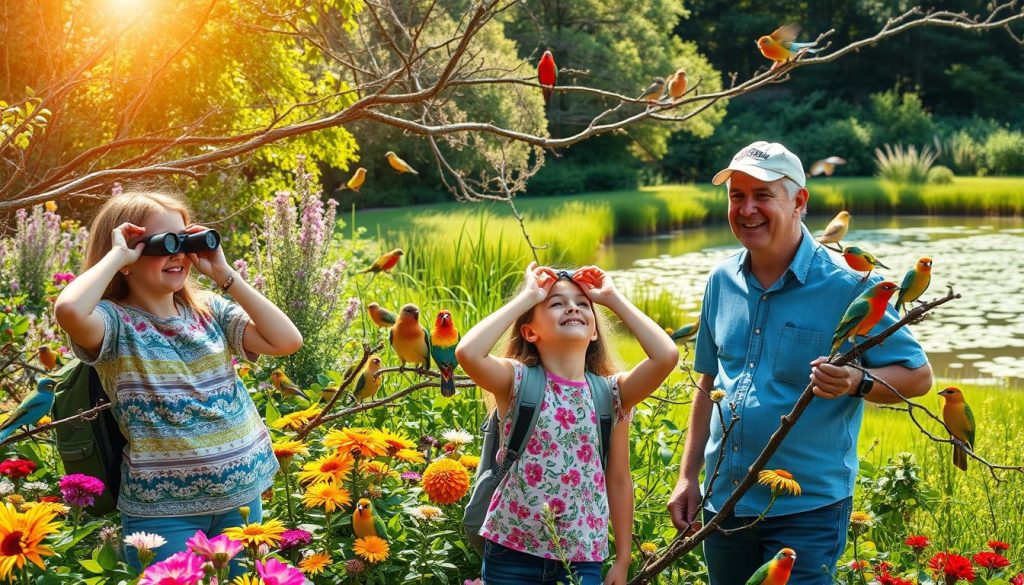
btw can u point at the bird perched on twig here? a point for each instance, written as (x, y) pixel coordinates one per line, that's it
(863, 313)
(861, 260)
(653, 91)
(443, 339)
(960, 420)
(915, 282)
(380, 316)
(781, 46)
(409, 339)
(686, 332)
(34, 407)
(836, 229)
(283, 384)
(547, 74)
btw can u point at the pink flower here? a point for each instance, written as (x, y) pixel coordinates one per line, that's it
(557, 506)
(572, 477)
(294, 538)
(585, 453)
(274, 572)
(534, 446)
(182, 568)
(218, 550)
(80, 490)
(565, 418)
(60, 278)
(533, 473)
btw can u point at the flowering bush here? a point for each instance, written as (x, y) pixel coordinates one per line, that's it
(39, 248)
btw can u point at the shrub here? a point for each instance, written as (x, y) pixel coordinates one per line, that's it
(900, 118)
(963, 153)
(1004, 152)
(904, 165)
(557, 179)
(940, 175)
(39, 249)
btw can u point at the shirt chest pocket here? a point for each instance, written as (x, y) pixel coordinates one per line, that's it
(794, 352)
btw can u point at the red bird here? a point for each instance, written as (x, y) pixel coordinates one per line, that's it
(547, 73)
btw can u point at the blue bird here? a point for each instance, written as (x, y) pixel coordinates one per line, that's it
(35, 406)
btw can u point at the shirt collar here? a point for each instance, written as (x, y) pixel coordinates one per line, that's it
(801, 263)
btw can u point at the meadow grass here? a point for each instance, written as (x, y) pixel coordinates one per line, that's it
(665, 208)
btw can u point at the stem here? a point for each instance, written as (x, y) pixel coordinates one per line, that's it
(288, 492)
(327, 534)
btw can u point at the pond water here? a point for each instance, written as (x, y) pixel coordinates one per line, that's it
(976, 339)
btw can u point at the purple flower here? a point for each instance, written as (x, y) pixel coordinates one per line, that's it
(294, 538)
(80, 490)
(411, 476)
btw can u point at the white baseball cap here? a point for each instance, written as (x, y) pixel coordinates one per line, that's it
(767, 161)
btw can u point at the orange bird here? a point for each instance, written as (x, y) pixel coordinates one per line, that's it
(443, 339)
(677, 85)
(385, 262)
(380, 316)
(864, 313)
(47, 357)
(780, 46)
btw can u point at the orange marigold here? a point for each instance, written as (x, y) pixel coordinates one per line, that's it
(332, 467)
(445, 481)
(365, 443)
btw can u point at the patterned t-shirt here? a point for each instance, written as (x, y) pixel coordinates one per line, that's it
(196, 443)
(561, 466)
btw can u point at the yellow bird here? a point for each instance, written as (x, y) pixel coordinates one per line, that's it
(398, 164)
(836, 229)
(283, 384)
(960, 420)
(367, 384)
(357, 180)
(363, 522)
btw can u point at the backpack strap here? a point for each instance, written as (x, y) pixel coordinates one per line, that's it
(604, 407)
(525, 411)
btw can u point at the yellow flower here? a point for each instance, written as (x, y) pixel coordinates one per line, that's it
(21, 536)
(861, 518)
(372, 548)
(410, 456)
(780, 480)
(55, 507)
(469, 461)
(445, 481)
(376, 468)
(285, 450)
(649, 548)
(315, 563)
(717, 395)
(50, 206)
(45, 420)
(367, 444)
(296, 420)
(395, 441)
(327, 495)
(255, 534)
(247, 580)
(334, 467)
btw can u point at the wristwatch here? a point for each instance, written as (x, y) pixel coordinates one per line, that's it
(866, 383)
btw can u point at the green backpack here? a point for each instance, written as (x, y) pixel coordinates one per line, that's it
(525, 411)
(93, 447)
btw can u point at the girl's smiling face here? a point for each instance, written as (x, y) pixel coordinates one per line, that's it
(160, 274)
(565, 315)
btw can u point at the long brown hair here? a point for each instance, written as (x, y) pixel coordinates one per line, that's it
(599, 358)
(134, 207)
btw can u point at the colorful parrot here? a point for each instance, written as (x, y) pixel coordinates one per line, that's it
(283, 384)
(380, 316)
(49, 358)
(780, 46)
(409, 339)
(915, 282)
(443, 339)
(653, 91)
(398, 164)
(357, 180)
(836, 229)
(547, 74)
(384, 262)
(863, 313)
(861, 260)
(826, 166)
(364, 523)
(367, 384)
(686, 332)
(677, 85)
(775, 571)
(960, 420)
(34, 407)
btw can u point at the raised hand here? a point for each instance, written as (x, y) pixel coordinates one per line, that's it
(119, 241)
(596, 284)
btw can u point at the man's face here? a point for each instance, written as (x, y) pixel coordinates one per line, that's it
(762, 215)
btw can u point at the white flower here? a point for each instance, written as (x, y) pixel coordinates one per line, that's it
(6, 487)
(426, 513)
(35, 486)
(145, 540)
(457, 437)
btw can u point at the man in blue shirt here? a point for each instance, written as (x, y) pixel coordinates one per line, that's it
(768, 317)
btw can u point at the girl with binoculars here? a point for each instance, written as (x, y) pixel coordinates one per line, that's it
(197, 448)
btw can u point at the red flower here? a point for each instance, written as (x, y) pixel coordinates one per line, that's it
(918, 543)
(53, 499)
(998, 546)
(955, 567)
(17, 468)
(991, 560)
(859, 565)
(1018, 580)
(887, 579)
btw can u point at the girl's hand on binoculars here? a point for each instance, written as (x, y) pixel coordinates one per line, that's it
(119, 241)
(210, 264)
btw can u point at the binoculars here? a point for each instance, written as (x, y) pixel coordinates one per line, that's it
(167, 243)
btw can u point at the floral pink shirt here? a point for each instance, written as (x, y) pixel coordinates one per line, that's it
(561, 466)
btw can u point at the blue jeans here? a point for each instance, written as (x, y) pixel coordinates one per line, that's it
(176, 530)
(506, 566)
(818, 537)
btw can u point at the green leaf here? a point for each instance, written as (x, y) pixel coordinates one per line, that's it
(272, 413)
(666, 455)
(107, 556)
(91, 566)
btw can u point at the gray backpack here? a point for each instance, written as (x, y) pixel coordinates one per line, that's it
(525, 410)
